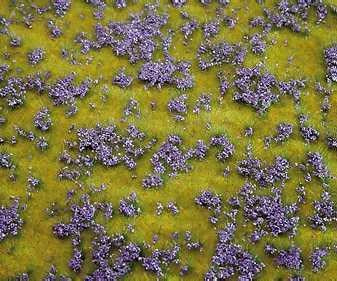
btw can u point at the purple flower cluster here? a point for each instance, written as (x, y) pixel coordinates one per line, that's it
(325, 212)
(330, 55)
(209, 200)
(110, 147)
(203, 102)
(5, 160)
(227, 149)
(309, 134)
(290, 258)
(35, 56)
(64, 91)
(231, 259)
(252, 167)
(159, 73)
(61, 6)
(211, 29)
(178, 107)
(189, 28)
(268, 213)
(76, 262)
(14, 92)
(210, 55)
(121, 79)
(128, 206)
(295, 16)
(178, 3)
(159, 259)
(255, 88)
(316, 258)
(10, 220)
(152, 181)
(134, 38)
(42, 119)
(258, 45)
(316, 162)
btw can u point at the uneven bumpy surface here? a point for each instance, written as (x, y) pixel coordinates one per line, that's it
(168, 140)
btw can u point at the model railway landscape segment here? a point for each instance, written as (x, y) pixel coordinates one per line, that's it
(168, 140)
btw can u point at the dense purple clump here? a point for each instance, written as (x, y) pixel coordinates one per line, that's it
(309, 134)
(178, 3)
(316, 162)
(122, 80)
(170, 158)
(231, 259)
(284, 131)
(290, 258)
(330, 55)
(10, 220)
(132, 108)
(253, 168)
(325, 212)
(258, 45)
(268, 213)
(64, 91)
(227, 149)
(211, 28)
(35, 56)
(61, 7)
(128, 206)
(152, 181)
(189, 28)
(135, 38)
(4, 68)
(82, 218)
(210, 55)
(42, 119)
(14, 92)
(168, 71)
(256, 88)
(76, 262)
(209, 200)
(316, 258)
(295, 15)
(200, 150)
(178, 107)
(111, 147)
(5, 160)
(33, 182)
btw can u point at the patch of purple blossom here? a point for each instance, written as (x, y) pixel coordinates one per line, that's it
(316, 258)
(42, 119)
(210, 55)
(35, 56)
(128, 206)
(64, 91)
(330, 55)
(122, 79)
(231, 259)
(325, 212)
(61, 7)
(10, 220)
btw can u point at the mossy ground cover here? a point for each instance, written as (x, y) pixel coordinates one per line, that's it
(36, 248)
